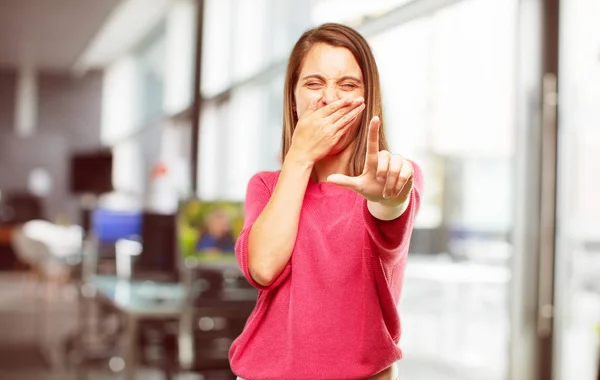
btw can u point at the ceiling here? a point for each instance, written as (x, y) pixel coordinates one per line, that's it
(49, 34)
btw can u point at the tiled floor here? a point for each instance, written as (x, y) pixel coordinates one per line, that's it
(19, 359)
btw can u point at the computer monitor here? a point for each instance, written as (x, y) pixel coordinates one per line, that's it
(159, 247)
(209, 229)
(91, 172)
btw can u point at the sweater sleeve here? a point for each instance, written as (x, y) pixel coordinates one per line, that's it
(257, 197)
(392, 237)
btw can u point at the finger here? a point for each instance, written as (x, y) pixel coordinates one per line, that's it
(349, 117)
(405, 179)
(352, 183)
(383, 164)
(392, 176)
(406, 188)
(332, 107)
(340, 113)
(372, 144)
(342, 130)
(312, 107)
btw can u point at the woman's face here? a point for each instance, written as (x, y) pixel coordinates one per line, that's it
(329, 73)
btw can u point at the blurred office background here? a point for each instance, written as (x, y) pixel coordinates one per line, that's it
(496, 100)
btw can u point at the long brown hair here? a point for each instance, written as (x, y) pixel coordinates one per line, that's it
(339, 36)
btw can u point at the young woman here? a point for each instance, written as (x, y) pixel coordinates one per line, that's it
(326, 238)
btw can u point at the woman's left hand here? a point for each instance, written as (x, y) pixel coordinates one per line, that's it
(386, 178)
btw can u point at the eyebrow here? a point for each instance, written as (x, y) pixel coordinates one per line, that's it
(345, 77)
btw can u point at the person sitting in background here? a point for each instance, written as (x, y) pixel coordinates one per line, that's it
(217, 235)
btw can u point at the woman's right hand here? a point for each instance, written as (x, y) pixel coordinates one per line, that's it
(319, 130)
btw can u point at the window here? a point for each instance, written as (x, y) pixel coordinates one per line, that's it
(245, 50)
(350, 12)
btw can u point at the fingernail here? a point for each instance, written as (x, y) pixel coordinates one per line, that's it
(380, 179)
(360, 99)
(386, 195)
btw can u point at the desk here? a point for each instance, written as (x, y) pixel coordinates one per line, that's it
(141, 298)
(137, 300)
(212, 261)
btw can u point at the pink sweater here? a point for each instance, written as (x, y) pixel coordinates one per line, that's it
(332, 313)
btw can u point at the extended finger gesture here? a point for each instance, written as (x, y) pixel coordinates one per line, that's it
(386, 178)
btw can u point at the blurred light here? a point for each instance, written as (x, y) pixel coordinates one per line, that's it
(116, 364)
(125, 250)
(128, 247)
(206, 324)
(27, 102)
(39, 182)
(190, 262)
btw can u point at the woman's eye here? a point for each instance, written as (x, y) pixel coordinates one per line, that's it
(313, 85)
(348, 86)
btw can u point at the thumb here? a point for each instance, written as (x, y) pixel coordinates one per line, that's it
(344, 181)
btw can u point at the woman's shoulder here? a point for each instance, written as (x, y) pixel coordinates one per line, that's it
(265, 178)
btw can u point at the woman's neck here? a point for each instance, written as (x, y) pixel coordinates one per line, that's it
(334, 164)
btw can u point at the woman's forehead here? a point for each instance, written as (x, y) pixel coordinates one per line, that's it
(330, 62)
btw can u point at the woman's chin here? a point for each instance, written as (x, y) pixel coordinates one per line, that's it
(335, 151)
(340, 147)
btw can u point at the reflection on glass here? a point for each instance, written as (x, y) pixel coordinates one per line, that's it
(248, 116)
(128, 176)
(213, 122)
(151, 58)
(448, 105)
(577, 347)
(250, 38)
(217, 24)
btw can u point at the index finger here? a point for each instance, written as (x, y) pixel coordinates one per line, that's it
(373, 143)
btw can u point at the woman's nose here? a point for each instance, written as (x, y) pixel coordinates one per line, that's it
(330, 94)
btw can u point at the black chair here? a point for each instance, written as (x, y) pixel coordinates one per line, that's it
(157, 348)
(21, 207)
(219, 302)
